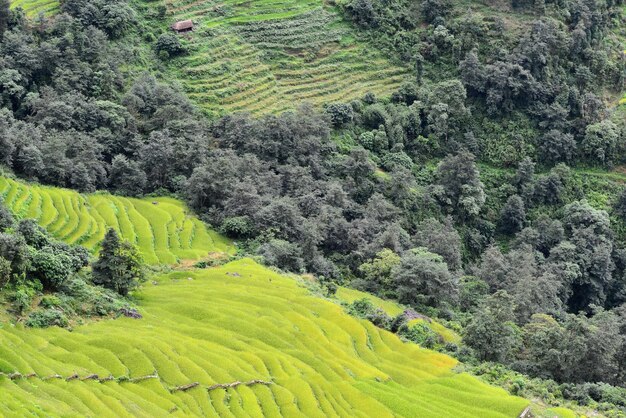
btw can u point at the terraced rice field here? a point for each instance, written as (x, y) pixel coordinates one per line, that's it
(264, 56)
(162, 228)
(33, 8)
(297, 354)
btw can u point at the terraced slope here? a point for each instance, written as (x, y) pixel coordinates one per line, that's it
(297, 354)
(33, 8)
(266, 56)
(162, 228)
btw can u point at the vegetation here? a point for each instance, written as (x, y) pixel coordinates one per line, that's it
(119, 265)
(263, 57)
(45, 282)
(162, 228)
(317, 360)
(473, 171)
(34, 8)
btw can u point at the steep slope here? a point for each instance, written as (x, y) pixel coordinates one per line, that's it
(33, 8)
(263, 56)
(162, 228)
(239, 322)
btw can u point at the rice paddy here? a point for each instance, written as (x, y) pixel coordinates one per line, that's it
(34, 8)
(204, 331)
(264, 56)
(162, 228)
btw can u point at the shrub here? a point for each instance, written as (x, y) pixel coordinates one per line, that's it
(169, 43)
(50, 301)
(47, 318)
(421, 334)
(238, 227)
(53, 269)
(22, 298)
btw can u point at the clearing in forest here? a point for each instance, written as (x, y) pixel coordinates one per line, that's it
(163, 228)
(296, 354)
(264, 56)
(34, 8)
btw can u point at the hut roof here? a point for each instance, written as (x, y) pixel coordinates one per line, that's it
(183, 25)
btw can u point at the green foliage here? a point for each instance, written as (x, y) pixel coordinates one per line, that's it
(169, 44)
(377, 273)
(422, 278)
(421, 334)
(22, 297)
(47, 318)
(119, 266)
(52, 268)
(492, 333)
(600, 143)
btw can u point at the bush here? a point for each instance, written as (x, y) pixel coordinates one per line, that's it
(340, 114)
(238, 227)
(169, 43)
(363, 308)
(50, 301)
(421, 334)
(22, 298)
(47, 318)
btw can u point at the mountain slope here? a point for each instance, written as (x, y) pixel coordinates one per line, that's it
(33, 8)
(162, 228)
(238, 322)
(262, 56)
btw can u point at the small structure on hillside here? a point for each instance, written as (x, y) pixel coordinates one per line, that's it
(183, 26)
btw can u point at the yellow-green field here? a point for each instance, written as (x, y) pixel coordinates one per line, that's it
(162, 228)
(266, 56)
(33, 8)
(238, 322)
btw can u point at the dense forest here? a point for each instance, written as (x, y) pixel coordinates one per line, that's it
(466, 194)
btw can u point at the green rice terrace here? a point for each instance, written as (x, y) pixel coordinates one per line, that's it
(238, 340)
(162, 228)
(265, 56)
(34, 8)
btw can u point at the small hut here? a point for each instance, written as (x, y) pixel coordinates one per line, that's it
(183, 26)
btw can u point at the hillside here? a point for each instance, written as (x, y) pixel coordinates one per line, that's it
(162, 228)
(263, 56)
(434, 174)
(33, 8)
(238, 322)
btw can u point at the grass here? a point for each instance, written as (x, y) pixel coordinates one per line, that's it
(34, 8)
(211, 326)
(162, 228)
(266, 56)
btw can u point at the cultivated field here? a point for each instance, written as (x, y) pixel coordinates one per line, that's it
(295, 354)
(266, 56)
(33, 8)
(162, 228)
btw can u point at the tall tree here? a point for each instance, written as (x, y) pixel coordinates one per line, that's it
(5, 15)
(459, 186)
(119, 266)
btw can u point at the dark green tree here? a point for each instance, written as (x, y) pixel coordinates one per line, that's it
(459, 187)
(513, 215)
(422, 277)
(119, 266)
(492, 332)
(5, 15)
